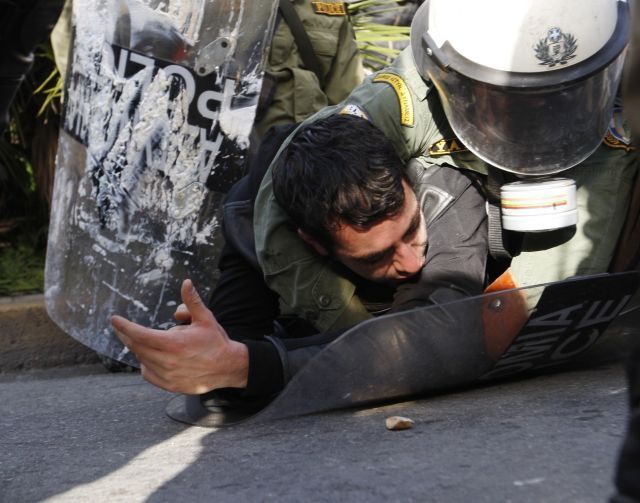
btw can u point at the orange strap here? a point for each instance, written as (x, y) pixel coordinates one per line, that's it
(503, 315)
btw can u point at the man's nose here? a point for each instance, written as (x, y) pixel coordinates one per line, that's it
(409, 260)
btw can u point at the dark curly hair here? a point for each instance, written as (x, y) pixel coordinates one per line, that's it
(335, 171)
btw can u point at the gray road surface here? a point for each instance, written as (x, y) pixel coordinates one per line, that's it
(80, 434)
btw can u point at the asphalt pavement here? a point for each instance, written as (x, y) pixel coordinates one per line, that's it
(82, 434)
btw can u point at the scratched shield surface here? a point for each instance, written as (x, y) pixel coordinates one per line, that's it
(160, 101)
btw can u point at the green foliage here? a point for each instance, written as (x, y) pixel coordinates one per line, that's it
(52, 95)
(27, 149)
(16, 174)
(27, 163)
(21, 269)
(378, 35)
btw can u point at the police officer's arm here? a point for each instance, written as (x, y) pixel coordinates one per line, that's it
(455, 269)
(191, 359)
(456, 254)
(303, 280)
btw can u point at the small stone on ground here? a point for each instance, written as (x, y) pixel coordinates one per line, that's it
(398, 423)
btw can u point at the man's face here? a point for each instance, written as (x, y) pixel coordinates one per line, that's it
(390, 251)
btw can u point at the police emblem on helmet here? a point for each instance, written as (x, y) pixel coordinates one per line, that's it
(556, 48)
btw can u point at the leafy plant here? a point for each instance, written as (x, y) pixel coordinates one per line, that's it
(21, 269)
(381, 28)
(27, 163)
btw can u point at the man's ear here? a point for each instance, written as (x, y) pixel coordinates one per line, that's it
(314, 243)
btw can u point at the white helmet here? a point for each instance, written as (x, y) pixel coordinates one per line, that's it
(527, 85)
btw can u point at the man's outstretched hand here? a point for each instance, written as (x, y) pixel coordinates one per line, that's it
(190, 359)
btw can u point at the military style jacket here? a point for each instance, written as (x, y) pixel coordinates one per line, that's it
(297, 93)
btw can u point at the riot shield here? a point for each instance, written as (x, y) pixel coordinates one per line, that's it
(160, 101)
(445, 346)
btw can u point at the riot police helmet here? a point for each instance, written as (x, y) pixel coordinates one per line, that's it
(527, 85)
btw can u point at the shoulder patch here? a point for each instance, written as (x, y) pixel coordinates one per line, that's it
(618, 135)
(329, 8)
(404, 96)
(445, 147)
(351, 109)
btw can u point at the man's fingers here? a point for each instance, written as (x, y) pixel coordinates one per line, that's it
(160, 361)
(173, 384)
(182, 314)
(133, 335)
(191, 299)
(151, 376)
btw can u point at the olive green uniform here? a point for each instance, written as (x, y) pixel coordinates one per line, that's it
(298, 93)
(400, 103)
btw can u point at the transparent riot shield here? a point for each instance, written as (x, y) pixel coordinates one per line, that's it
(160, 101)
(440, 347)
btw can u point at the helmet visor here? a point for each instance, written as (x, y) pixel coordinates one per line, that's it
(531, 131)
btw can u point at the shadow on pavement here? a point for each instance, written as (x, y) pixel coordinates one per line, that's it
(548, 438)
(83, 434)
(63, 430)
